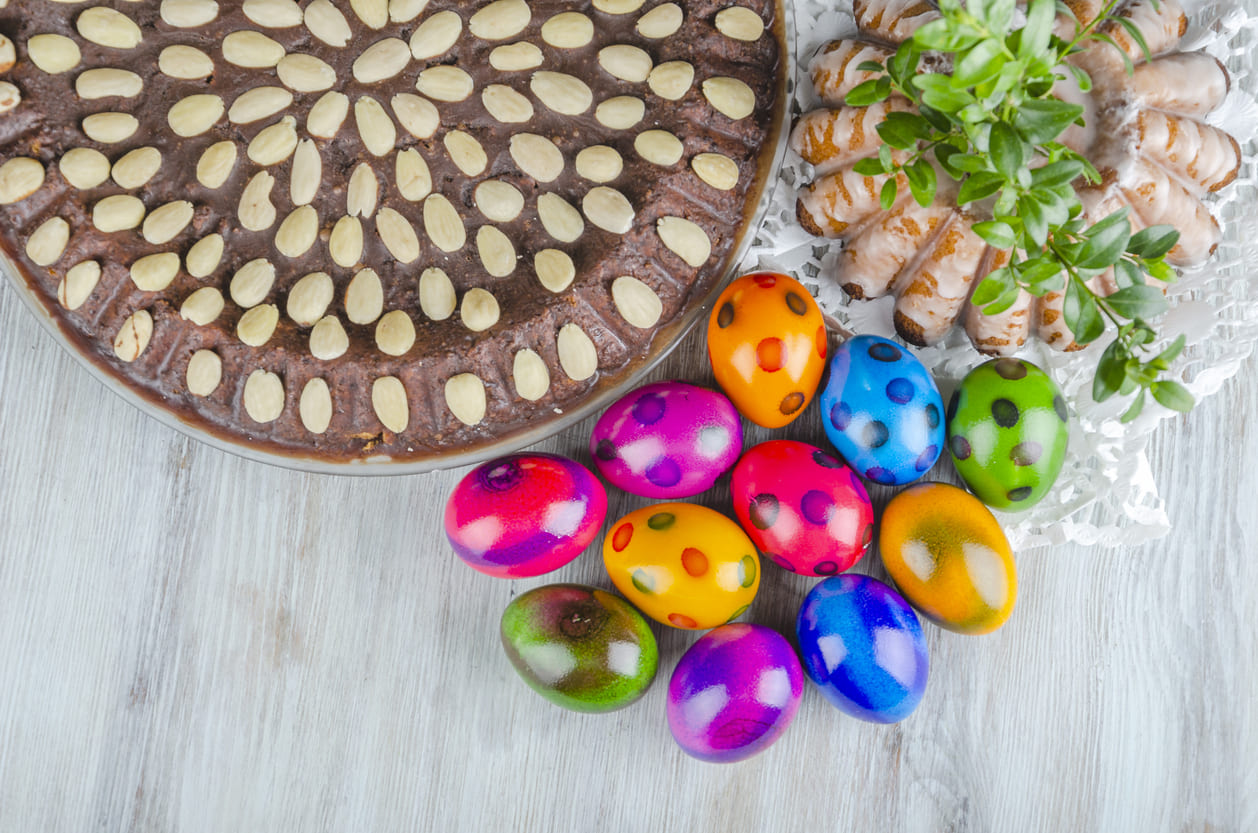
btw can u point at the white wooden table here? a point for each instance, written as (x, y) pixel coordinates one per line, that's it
(190, 641)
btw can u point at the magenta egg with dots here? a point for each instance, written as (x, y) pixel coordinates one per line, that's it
(667, 440)
(524, 514)
(803, 508)
(734, 693)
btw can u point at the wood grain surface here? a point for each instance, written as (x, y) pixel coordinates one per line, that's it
(193, 642)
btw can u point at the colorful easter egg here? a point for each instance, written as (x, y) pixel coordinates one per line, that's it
(1007, 432)
(682, 564)
(863, 647)
(882, 411)
(949, 557)
(579, 647)
(767, 346)
(667, 440)
(524, 514)
(733, 693)
(804, 509)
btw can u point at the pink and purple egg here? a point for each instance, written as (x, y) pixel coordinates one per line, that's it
(524, 514)
(803, 508)
(734, 693)
(667, 440)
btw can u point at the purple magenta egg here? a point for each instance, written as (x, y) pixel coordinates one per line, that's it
(524, 514)
(667, 440)
(734, 693)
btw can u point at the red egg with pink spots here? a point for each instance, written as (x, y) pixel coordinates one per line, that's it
(667, 440)
(804, 509)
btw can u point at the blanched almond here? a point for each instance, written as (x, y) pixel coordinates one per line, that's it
(671, 80)
(659, 147)
(685, 239)
(739, 23)
(499, 201)
(621, 112)
(443, 223)
(345, 245)
(328, 339)
(577, 355)
(418, 115)
(203, 306)
(618, 6)
(315, 406)
(628, 63)
(257, 325)
(10, 97)
(465, 397)
(188, 14)
(298, 233)
(8, 54)
(373, 13)
(187, 63)
(497, 253)
(205, 371)
(306, 173)
(309, 299)
(274, 144)
(263, 396)
(435, 35)
(253, 50)
(532, 377)
(109, 28)
(375, 128)
(252, 283)
(465, 152)
(437, 298)
(273, 14)
(48, 242)
(364, 297)
(515, 57)
(506, 105)
(54, 54)
(554, 269)
(259, 103)
(305, 73)
(660, 22)
(414, 181)
(568, 30)
(117, 213)
(195, 114)
(327, 115)
(133, 336)
(381, 61)
(84, 168)
(398, 235)
(106, 82)
(327, 23)
(445, 83)
(404, 11)
(137, 167)
(78, 283)
(362, 193)
(110, 128)
(166, 222)
(608, 209)
(153, 273)
(636, 302)
(500, 20)
(216, 164)
(562, 93)
(395, 333)
(205, 256)
(599, 163)
(730, 97)
(537, 156)
(256, 212)
(716, 170)
(388, 400)
(559, 218)
(479, 310)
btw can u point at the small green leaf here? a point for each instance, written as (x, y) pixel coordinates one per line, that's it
(1122, 53)
(978, 186)
(1044, 274)
(1081, 313)
(1007, 150)
(969, 162)
(1033, 220)
(937, 92)
(1111, 371)
(903, 63)
(1139, 301)
(884, 156)
(922, 182)
(992, 286)
(1043, 120)
(1173, 395)
(1134, 31)
(1106, 242)
(1161, 270)
(944, 36)
(996, 233)
(981, 62)
(1057, 173)
(886, 196)
(897, 134)
(1171, 353)
(943, 155)
(1038, 29)
(1082, 80)
(1000, 15)
(865, 94)
(869, 66)
(1003, 302)
(871, 166)
(1134, 411)
(1127, 273)
(1153, 241)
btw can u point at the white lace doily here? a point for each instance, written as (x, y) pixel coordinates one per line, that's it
(1106, 483)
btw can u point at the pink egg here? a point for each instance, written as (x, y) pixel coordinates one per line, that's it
(667, 440)
(804, 509)
(524, 514)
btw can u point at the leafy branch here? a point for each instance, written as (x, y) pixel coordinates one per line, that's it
(993, 126)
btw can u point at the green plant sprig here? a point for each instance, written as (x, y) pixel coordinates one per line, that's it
(993, 125)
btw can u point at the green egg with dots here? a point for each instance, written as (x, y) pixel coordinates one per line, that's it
(1008, 426)
(580, 647)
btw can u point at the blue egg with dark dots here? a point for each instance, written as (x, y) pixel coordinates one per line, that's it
(863, 646)
(882, 411)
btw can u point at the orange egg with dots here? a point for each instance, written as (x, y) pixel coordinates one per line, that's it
(682, 564)
(767, 346)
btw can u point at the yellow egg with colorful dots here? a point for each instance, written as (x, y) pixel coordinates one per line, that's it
(683, 564)
(949, 557)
